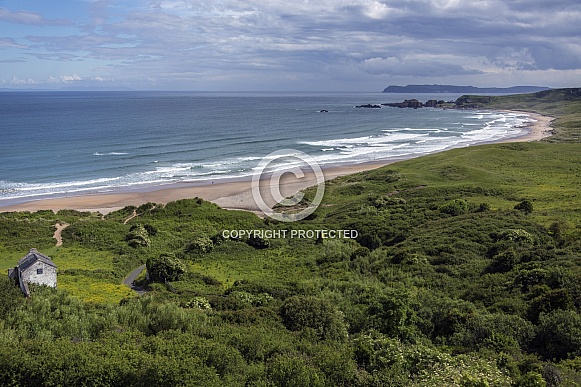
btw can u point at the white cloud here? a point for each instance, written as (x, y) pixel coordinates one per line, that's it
(23, 17)
(70, 78)
(19, 82)
(9, 42)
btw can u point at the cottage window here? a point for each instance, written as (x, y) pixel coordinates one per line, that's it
(39, 271)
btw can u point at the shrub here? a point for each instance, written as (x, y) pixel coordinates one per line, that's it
(258, 242)
(525, 206)
(165, 268)
(517, 235)
(455, 207)
(151, 231)
(198, 302)
(138, 236)
(559, 335)
(392, 313)
(336, 250)
(254, 300)
(310, 312)
(200, 245)
(287, 370)
(549, 300)
(483, 207)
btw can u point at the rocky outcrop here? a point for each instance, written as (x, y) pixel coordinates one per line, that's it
(408, 103)
(369, 106)
(413, 104)
(434, 103)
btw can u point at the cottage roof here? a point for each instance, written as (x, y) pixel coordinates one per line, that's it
(32, 257)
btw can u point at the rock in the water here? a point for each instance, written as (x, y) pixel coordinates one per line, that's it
(369, 106)
(408, 103)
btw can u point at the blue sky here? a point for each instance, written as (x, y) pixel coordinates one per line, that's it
(300, 45)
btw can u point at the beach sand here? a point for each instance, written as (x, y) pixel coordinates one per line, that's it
(232, 194)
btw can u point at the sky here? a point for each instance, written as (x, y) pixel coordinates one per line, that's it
(291, 45)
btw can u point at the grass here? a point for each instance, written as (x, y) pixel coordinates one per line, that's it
(76, 257)
(500, 175)
(93, 290)
(547, 174)
(234, 261)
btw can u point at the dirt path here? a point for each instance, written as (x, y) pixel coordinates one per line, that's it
(134, 215)
(57, 234)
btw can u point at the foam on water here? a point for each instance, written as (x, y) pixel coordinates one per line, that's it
(110, 154)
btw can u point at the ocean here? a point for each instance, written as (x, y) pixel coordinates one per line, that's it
(69, 143)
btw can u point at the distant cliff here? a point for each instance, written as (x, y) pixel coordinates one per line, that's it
(462, 89)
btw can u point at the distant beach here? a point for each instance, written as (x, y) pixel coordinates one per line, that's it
(236, 193)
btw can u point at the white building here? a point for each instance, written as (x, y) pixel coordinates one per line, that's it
(35, 268)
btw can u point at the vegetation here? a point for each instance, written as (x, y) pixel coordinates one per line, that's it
(465, 272)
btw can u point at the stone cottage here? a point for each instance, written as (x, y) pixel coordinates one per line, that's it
(35, 268)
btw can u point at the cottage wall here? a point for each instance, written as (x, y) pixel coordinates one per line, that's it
(40, 273)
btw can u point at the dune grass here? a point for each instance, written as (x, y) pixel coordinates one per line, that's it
(500, 175)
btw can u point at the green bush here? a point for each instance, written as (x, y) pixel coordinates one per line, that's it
(165, 268)
(138, 236)
(201, 245)
(455, 207)
(559, 335)
(320, 315)
(525, 206)
(293, 371)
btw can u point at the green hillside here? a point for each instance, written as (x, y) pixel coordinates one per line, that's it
(466, 272)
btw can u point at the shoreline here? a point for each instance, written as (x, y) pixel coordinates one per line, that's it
(235, 194)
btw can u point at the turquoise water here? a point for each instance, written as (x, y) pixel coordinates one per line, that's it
(58, 143)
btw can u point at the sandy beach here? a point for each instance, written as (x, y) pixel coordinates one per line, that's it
(540, 128)
(232, 194)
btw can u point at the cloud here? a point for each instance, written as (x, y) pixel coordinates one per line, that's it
(9, 42)
(19, 82)
(266, 42)
(24, 17)
(70, 78)
(412, 67)
(57, 56)
(63, 79)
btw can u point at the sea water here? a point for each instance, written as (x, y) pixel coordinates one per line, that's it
(62, 143)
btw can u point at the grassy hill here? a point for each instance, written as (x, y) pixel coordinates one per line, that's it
(466, 272)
